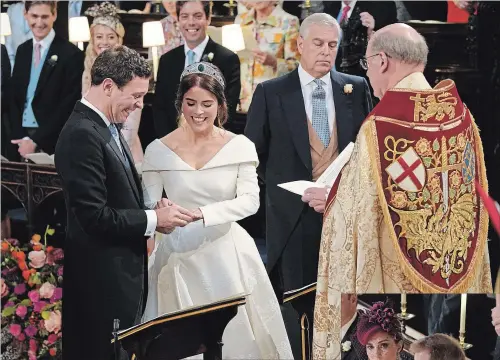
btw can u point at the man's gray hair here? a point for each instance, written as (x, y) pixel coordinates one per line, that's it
(120, 64)
(318, 19)
(401, 47)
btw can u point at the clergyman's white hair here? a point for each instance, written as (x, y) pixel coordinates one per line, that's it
(410, 50)
(318, 19)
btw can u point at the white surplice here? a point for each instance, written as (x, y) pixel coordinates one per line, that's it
(214, 258)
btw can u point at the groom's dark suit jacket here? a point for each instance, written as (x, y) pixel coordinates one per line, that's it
(105, 270)
(277, 124)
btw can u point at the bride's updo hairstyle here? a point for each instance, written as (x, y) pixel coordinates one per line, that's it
(208, 77)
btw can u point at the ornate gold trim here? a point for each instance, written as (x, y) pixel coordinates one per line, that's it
(306, 291)
(434, 90)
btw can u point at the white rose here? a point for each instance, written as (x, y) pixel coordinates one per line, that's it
(346, 346)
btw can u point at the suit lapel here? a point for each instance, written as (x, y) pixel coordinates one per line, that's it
(210, 48)
(48, 64)
(343, 110)
(24, 59)
(101, 128)
(292, 102)
(131, 167)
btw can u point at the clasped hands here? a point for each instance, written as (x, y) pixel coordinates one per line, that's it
(170, 216)
(316, 198)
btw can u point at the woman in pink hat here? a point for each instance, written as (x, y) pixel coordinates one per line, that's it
(380, 331)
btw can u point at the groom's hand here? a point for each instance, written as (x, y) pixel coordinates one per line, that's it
(170, 216)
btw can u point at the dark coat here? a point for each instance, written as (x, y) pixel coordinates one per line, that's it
(169, 74)
(105, 268)
(277, 124)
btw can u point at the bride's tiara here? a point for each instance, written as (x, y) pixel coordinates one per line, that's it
(204, 68)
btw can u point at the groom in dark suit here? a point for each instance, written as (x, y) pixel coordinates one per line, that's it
(194, 18)
(46, 82)
(105, 268)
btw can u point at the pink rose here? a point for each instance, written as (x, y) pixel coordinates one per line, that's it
(21, 311)
(47, 290)
(37, 258)
(21, 337)
(15, 329)
(53, 323)
(52, 338)
(34, 296)
(5, 289)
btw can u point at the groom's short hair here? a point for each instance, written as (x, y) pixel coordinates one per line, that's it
(439, 347)
(120, 64)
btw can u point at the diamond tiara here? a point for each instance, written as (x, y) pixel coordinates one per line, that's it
(204, 68)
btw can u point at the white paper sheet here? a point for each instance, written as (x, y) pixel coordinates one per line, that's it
(326, 179)
(41, 158)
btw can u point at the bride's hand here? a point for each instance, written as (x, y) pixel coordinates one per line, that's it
(198, 214)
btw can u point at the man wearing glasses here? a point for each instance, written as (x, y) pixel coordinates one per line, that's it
(404, 215)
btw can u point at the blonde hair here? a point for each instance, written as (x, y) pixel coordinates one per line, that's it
(91, 55)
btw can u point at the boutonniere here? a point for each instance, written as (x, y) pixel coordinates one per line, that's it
(53, 60)
(346, 346)
(348, 88)
(208, 58)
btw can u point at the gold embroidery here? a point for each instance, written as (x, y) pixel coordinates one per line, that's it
(438, 220)
(434, 107)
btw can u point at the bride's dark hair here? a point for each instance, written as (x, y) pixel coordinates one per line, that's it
(208, 83)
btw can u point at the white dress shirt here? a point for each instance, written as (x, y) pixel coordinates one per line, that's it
(198, 51)
(150, 214)
(345, 328)
(308, 85)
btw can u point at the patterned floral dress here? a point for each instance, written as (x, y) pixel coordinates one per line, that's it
(276, 35)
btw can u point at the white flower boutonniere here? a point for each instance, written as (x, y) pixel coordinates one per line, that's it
(53, 60)
(346, 346)
(348, 88)
(210, 56)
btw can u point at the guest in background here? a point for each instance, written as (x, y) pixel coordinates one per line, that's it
(423, 10)
(349, 320)
(107, 31)
(379, 330)
(171, 31)
(65, 11)
(194, 17)
(276, 33)
(21, 31)
(46, 82)
(438, 347)
(358, 20)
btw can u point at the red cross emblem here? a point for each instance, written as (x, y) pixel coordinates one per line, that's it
(408, 171)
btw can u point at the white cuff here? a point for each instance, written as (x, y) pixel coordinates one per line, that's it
(152, 222)
(327, 193)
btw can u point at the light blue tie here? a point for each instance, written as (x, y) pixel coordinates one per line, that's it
(191, 55)
(114, 133)
(320, 113)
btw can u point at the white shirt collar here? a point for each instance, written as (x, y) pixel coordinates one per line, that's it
(46, 41)
(306, 78)
(199, 49)
(346, 327)
(103, 117)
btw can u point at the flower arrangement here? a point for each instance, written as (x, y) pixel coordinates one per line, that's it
(31, 296)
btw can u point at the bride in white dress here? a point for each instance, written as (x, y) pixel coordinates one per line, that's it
(212, 172)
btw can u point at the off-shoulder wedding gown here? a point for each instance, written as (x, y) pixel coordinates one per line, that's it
(214, 258)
